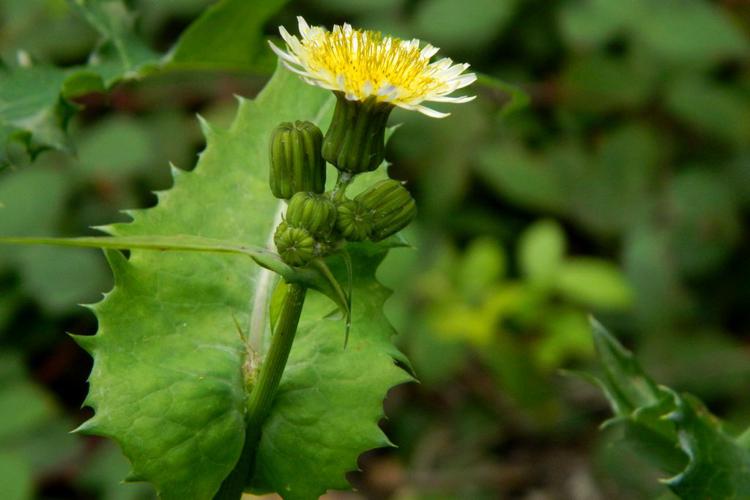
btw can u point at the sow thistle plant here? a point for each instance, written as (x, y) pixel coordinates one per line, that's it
(206, 371)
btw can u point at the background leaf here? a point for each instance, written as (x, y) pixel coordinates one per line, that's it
(227, 36)
(661, 421)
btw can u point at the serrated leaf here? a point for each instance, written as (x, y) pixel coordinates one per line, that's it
(674, 430)
(330, 399)
(627, 385)
(167, 379)
(718, 466)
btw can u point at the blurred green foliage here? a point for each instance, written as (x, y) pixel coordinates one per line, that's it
(621, 189)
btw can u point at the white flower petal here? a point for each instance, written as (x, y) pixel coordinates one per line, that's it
(430, 112)
(362, 64)
(283, 55)
(455, 100)
(304, 28)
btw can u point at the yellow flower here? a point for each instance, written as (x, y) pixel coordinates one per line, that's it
(366, 64)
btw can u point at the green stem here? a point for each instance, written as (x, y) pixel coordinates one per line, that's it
(343, 181)
(264, 390)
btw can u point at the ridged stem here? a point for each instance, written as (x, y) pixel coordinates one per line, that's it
(264, 389)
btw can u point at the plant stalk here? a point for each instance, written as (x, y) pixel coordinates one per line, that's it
(264, 390)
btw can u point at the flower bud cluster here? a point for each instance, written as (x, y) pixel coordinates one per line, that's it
(316, 222)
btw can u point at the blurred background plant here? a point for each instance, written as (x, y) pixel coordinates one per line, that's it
(619, 189)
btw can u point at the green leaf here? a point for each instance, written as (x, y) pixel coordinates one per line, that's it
(31, 109)
(709, 107)
(590, 22)
(718, 466)
(687, 31)
(626, 384)
(34, 100)
(595, 282)
(521, 177)
(103, 474)
(541, 252)
(15, 478)
(674, 430)
(707, 221)
(483, 265)
(167, 380)
(121, 54)
(22, 404)
(678, 31)
(599, 83)
(462, 25)
(45, 274)
(330, 399)
(27, 412)
(117, 147)
(229, 37)
(517, 98)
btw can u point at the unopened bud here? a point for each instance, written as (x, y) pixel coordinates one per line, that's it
(296, 161)
(355, 141)
(314, 212)
(351, 220)
(295, 245)
(390, 208)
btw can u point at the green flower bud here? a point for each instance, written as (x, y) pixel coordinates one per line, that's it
(355, 141)
(313, 212)
(296, 161)
(390, 208)
(295, 245)
(351, 220)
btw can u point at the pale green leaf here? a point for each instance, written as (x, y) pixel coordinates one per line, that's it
(330, 399)
(167, 379)
(541, 252)
(594, 282)
(483, 265)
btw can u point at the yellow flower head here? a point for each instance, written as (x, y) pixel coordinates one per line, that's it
(362, 64)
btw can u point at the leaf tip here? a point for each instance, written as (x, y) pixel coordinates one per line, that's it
(176, 171)
(89, 427)
(86, 342)
(206, 127)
